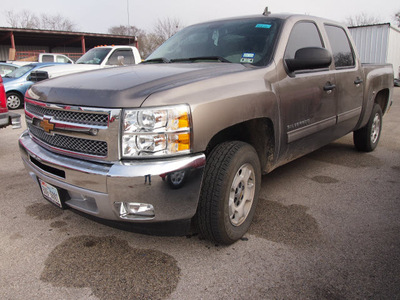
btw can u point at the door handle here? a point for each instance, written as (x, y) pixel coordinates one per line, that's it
(358, 81)
(329, 87)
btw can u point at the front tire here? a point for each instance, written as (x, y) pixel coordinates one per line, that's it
(366, 139)
(14, 101)
(229, 193)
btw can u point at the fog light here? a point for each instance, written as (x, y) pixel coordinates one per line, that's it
(133, 210)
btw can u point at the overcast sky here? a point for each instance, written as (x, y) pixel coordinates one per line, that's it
(99, 15)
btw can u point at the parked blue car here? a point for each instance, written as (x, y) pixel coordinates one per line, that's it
(17, 83)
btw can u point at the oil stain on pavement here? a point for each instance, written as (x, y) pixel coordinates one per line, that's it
(58, 224)
(290, 225)
(111, 268)
(43, 211)
(396, 168)
(324, 179)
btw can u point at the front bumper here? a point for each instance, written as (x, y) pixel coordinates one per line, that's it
(103, 189)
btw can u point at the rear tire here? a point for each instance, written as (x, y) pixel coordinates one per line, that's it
(366, 139)
(229, 193)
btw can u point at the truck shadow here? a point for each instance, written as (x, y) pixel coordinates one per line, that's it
(291, 224)
(344, 154)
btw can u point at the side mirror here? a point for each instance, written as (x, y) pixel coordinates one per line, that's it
(309, 58)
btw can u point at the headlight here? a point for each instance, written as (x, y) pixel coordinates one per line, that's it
(156, 131)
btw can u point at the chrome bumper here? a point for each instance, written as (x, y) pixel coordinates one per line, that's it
(10, 118)
(122, 191)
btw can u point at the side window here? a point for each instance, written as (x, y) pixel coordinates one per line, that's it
(125, 55)
(47, 58)
(62, 59)
(304, 34)
(342, 51)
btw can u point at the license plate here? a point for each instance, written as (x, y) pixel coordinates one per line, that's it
(50, 193)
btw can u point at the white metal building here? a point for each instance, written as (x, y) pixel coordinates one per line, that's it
(378, 43)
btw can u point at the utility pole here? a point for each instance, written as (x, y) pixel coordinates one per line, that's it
(127, 9)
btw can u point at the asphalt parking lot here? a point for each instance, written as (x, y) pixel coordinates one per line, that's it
(327, 227)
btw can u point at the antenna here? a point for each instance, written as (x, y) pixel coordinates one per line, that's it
(266, 11)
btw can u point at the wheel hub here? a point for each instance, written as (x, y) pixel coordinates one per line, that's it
(13, 102)
(376, 126)
(239, 193)
(242, 194)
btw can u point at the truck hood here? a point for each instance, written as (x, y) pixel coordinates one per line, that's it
(126, 86)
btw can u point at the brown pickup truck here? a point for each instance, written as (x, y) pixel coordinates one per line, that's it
(185, 136)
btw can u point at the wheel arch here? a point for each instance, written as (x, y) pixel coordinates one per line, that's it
(259, 133)
(15, 92)
(382, 98)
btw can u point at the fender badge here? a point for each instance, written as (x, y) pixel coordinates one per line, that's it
(46, 125)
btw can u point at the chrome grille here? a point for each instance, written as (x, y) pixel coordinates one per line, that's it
(82, 118)
(78, 145)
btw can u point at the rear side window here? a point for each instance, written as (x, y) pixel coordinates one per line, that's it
(119, 57)
(47, 58)
(304, 34)
(342, 51)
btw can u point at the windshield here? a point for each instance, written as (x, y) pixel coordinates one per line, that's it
(94, 56)
(17, 73)
(246, 41)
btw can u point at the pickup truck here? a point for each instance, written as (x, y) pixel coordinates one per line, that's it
(44, 57)
(96, 58)
(186, 135)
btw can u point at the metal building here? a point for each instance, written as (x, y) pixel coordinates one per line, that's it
(378, 43)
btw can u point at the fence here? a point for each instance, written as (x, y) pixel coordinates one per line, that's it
(32, 55)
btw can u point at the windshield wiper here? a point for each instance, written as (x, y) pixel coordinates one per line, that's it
(157, 60)
(207, 58)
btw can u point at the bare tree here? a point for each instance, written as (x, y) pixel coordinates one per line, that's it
(148, 42)
(397, 19)
(125, 30)
(56, 22)
(27, 19)
(165, 28)
(23, 19)
(362, 19)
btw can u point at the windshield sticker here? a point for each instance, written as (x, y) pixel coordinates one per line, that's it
(247, 58)
(266, 26)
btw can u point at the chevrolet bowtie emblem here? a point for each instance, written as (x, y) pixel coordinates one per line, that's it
(46, 125)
